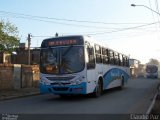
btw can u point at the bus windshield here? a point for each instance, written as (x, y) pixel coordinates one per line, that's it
(62, 60)
(151, 69)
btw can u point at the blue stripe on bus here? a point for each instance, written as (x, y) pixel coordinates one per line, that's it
(114, 74)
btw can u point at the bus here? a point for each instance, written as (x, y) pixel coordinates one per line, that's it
(151, 71)
(71, 65)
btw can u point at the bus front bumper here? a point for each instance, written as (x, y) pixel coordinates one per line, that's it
(70, 89)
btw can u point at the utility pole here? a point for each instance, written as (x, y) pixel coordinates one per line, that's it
(29, 43)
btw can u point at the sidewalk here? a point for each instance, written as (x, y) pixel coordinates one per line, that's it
(6, 94)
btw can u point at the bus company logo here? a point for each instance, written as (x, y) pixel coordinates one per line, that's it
(115, 74)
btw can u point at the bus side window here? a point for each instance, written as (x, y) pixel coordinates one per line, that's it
(105, 56)
(91, 58)
(127, 62)
(120, 60)
(111, 57)
(108, 55)
(124, 62)
(116, 58)
(98, 54)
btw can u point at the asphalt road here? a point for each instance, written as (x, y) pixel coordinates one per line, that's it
(135, 98)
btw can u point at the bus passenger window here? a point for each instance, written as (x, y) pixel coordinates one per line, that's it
(91, 58)
(98, 54)
(120, 59)
(105, 58)
(111, 57)
(127, 62)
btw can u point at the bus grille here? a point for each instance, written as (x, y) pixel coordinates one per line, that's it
(60, 78)
(60, 83)
(61, 89)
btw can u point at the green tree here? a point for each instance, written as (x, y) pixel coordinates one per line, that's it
(153, 62)
(9, 39)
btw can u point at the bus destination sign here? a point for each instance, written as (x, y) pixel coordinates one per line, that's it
(62, 42)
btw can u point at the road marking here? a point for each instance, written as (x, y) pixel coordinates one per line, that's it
(152, 104)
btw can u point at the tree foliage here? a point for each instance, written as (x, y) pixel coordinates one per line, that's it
(9, 39)
(153, 62)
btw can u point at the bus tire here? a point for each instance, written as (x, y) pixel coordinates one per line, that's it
(122, 82)
(98, 90)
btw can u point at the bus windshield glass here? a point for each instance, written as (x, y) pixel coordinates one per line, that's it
(62, 60)
(151, 69)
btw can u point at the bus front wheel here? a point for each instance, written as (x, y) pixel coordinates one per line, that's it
(98, 90)
(122, 82)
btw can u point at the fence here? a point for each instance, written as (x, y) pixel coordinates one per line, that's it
(16, 76)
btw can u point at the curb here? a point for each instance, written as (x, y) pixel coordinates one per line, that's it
(19, 96)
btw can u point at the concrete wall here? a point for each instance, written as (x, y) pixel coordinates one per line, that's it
(16, 76)
(30, 76)
(6, 76)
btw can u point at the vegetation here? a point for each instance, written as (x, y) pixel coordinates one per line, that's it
(153, 62)
(9, 39)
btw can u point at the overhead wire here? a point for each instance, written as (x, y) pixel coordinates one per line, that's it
(61, 23)
(62, 19)
(30, 17)
(124, 29)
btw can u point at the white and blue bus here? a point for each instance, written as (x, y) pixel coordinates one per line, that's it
(72, 65)
(151, 71)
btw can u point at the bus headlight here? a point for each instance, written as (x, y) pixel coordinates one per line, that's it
(44, 81)
(76, 81)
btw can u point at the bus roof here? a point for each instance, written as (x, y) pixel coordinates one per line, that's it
(86, 38)
(63, 37)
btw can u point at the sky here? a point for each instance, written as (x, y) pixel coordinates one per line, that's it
(134, 31)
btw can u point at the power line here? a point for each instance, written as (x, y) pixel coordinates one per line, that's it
(107, 32)
(130, 35)
(142, 29)
(62, 19)
(61, 23)
(124, 29)
(71, 24)
(30, 17)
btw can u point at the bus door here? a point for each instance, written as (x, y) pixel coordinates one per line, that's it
(90, 62)
(99, 65)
